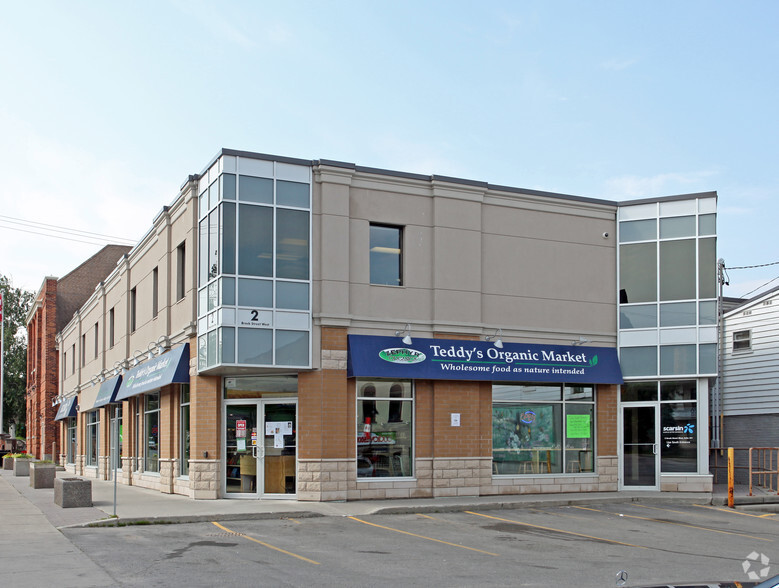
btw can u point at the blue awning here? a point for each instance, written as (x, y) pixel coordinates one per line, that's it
(455, 359)
(107, 392)
(67, 408)
(169, 368)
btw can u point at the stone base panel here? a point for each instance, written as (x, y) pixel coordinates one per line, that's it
(686, 483)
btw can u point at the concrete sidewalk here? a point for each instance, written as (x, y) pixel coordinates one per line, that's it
(135, 504)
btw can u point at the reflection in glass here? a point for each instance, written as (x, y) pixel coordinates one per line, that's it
(677, 270)
(641, 316)
(385, 255)
(255, 241)
(679, 440)
(638, 361)
(292, 245)
(638, 230)
(677, 226)
(677, 314)
(638, 272)
(677, 360)
(385, 411)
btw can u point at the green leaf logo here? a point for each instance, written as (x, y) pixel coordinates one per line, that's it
(594, 361)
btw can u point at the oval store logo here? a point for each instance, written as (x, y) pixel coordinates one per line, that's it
(402, 355)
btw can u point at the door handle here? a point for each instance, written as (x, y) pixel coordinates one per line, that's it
(654, 448)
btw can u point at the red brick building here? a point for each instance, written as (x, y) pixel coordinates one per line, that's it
(55, 304)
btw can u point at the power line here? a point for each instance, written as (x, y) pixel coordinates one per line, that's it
(754, 266)
(93, 242)
(759, 287)
(49, 229)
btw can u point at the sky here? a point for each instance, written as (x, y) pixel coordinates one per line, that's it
(107, 107)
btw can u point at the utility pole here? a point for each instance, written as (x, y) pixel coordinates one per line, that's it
(716, 405)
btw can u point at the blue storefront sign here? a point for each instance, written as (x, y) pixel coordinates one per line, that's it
(169, 368)
(454, 359)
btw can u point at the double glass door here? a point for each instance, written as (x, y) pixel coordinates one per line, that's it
(260, 449)
(640, 446)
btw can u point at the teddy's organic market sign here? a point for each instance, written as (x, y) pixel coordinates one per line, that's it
(447, 359)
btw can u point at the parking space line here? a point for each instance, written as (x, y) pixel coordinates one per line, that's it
(268, 545)
(524, 524)
(423, 537)
(674, 523)
(731, 511)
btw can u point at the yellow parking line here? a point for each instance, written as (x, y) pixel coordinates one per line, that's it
(738, 512)
(268, 545)
(555, 530)
(423, 537)
(676, 524)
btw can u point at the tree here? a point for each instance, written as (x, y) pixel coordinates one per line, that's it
(16, 305)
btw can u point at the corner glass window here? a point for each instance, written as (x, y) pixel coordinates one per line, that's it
(292, 194)
(707, 268)
(385, 255)
(639, 230)
(638, 361)
(678, 360)
(638, 273)
(676, 227)
(677, 314)
(258, 190)
(385, 414)
(677, 270)
(255, 240)
(639, 316)
(708, 313)
(707, 224)
(292, 244)
(707, 358)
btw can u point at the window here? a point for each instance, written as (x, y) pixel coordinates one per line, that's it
(542, 428)
(181, 273)
(93, 437)
(83, 350)
(111, 327)
(385, 255)
(385, 413)
(71, 448)
(155, 284)
(151, 429)
(73, 359)
(742, 340)
(97, 341)
(133, 309)
(184, 445)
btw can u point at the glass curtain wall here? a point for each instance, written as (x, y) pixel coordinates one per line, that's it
(254, 264)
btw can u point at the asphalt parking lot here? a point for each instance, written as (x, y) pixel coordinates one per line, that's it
(581, 546)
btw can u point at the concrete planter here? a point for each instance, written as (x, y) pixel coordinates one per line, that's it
(42, 475)
(8, 462)
(21, 466)
(72, 492)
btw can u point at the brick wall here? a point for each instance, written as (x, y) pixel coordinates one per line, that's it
(606, 407)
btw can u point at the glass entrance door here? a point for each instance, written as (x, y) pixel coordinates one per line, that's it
(260, 449)
(639, 446)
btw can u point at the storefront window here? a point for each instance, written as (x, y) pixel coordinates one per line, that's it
(93, 437)
(184, 426)
(679, 442)
(385, 414)
(152, 432)
(542, 428)
(71, 447)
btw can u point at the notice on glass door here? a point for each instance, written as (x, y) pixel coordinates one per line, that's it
(278, 429)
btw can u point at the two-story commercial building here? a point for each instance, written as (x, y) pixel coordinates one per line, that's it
(325, 331)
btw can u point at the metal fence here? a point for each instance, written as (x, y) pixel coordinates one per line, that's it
(757, 466)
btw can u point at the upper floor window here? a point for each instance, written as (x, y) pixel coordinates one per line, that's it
(111, 327)
(133, 310)
(742, 340)
(386, 255)
(155, 286)
(181, 259)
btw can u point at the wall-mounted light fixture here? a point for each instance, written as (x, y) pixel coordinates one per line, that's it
(407, 330)
(582, 340)
(496, 338)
